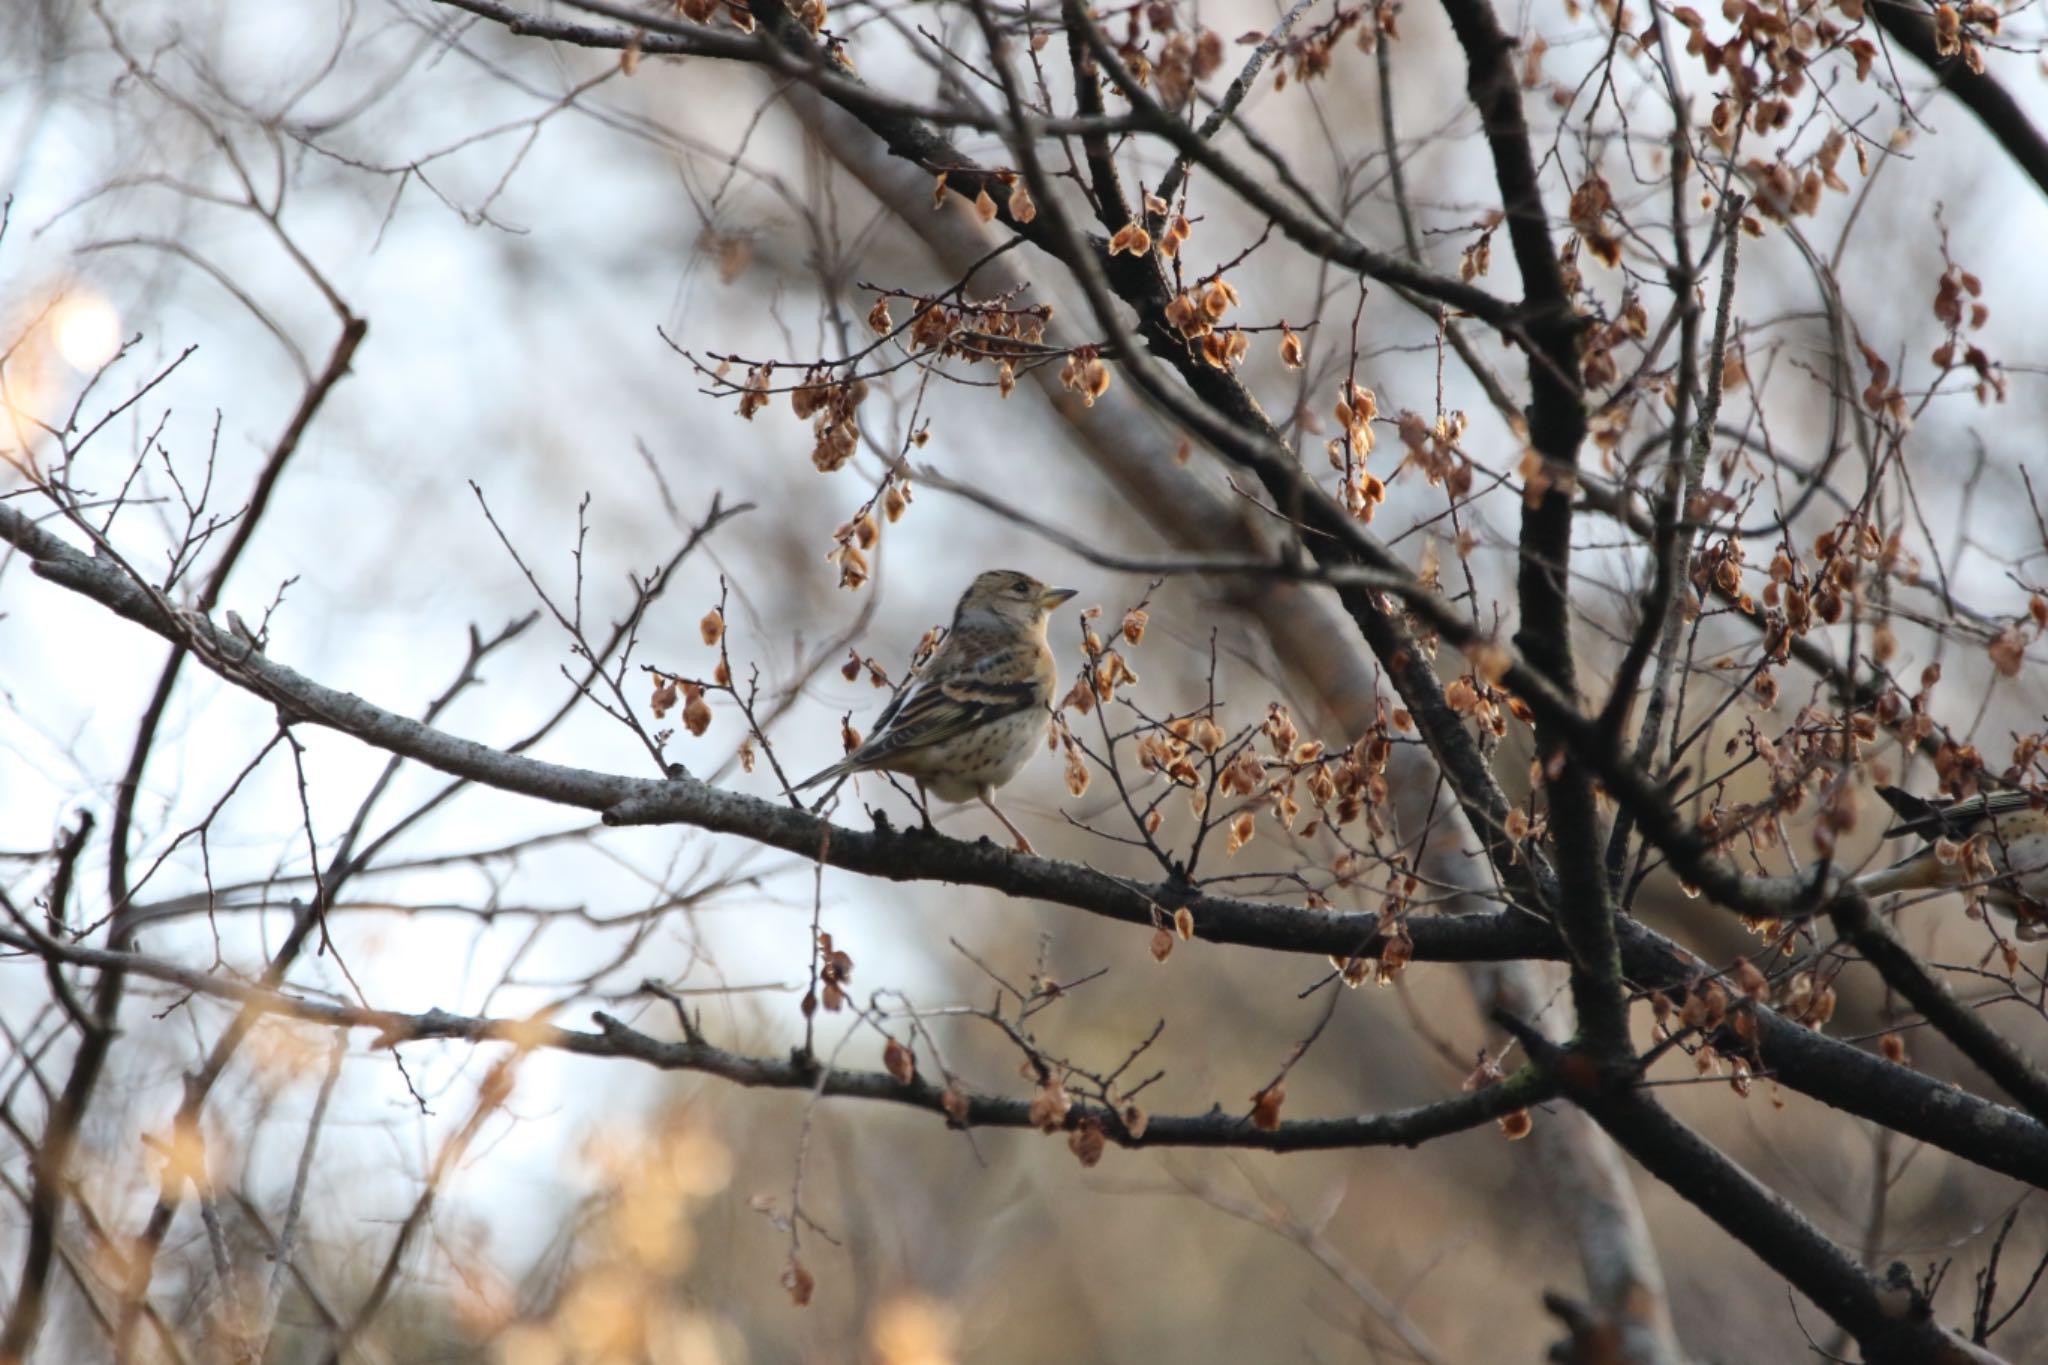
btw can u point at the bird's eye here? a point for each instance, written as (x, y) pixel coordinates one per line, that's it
(1021, 589)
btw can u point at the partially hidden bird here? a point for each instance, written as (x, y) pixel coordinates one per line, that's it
(2008, 828)
(976, 710)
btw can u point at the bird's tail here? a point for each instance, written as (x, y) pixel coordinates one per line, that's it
(839, 769)
(1908, 807)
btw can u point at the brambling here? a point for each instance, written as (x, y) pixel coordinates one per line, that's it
(974, 713)
(1998, 839)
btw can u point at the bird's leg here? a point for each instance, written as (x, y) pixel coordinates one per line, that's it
(1023, 844)
(924, 809)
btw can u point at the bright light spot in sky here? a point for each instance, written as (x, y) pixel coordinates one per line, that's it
(86, 330)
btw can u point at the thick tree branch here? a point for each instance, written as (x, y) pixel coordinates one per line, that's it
(1993, 1053)
(1892, 1324)
(1557, 427)
(1921, 1107)
(1912, 28)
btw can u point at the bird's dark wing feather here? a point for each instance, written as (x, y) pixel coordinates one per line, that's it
(936, 708)
(935, 712)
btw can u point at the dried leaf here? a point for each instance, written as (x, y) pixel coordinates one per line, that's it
(1266, 1106)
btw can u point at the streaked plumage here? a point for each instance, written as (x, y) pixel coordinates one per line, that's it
(975, 712)
(2013, 830)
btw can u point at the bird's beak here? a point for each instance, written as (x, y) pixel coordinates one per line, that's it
(1052, 597)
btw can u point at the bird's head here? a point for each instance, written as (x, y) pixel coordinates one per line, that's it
(1010, 598)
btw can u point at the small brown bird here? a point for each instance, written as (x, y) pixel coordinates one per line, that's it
(974, 713)
(1997, 839)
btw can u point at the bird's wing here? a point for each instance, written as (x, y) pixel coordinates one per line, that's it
(1913, 811)
(949, 703)
(1930, 819)
(966, 685)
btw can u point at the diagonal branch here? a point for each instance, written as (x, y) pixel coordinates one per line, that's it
(1893, 1324)
(1905, 973)
(1912, 28)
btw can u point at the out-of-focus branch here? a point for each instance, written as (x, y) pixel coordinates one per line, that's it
(53, 1156)
(284, 1248)
(1270, 1213)
(492, 1092)
(1398, 1128)
(1587, 1186)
